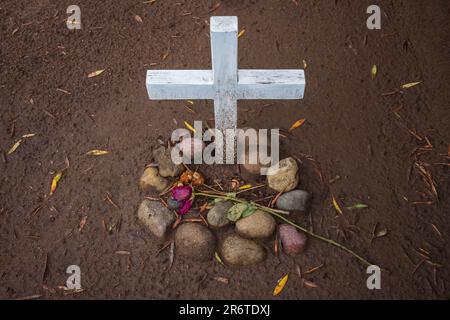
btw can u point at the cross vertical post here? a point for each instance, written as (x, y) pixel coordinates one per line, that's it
(224, 47)
(224, 65)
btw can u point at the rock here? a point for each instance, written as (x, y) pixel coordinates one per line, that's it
(259, 225)
(293, 241)
(252, 154)
(217, 216)
(294, 200)
(238, 251)
(167, 168)
(195, 241)
(152, 181)
(156, 217)
(284, 177)
(190, 147)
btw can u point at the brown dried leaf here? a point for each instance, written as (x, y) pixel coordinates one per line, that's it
(138, 19)
(82, 223)
(310, 284)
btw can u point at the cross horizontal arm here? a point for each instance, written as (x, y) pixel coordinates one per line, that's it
(180, 84)
(271, 84)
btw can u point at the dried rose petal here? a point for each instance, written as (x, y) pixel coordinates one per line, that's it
(182, 193)
(185, 207)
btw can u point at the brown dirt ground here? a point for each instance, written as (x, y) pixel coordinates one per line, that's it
(350, 132)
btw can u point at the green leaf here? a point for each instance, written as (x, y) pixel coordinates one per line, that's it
(248, 211)
(358, 206)
(231, 195)
(236, 211)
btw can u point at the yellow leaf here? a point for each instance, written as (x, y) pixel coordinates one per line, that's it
(55, 181)
(15, 146)
(97, 152)
(241, 33)
(410, 85)
(245, 187)
(189, 126)
(373, 71)
(95, 73)
(216, 255)
(280, 285)
(190, 102)
(336, 206)
(297, 124)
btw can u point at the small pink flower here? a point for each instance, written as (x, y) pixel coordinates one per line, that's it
(181, 193)
(187, 204)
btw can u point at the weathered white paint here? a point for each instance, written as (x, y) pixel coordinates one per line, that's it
(225, 84)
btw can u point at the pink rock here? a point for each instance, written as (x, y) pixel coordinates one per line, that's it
(293, 241)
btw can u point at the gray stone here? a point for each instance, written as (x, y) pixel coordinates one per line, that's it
(292, 240)
(195, 241)
(156, 217)
(167, 168)
(294, 200)
(259, 225)
(217, 215)
(151, 181)
(252, 152)
(283, 178)
(238, 251)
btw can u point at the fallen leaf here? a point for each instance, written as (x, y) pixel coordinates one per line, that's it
(381, 233)
(97, 152)
(336, 206)
(63, 91)
(189, 126)
(280, 285)
(221, 279)
(15, 146)
(82, 223)
(29, 135)
(138, 19)
(95, 73)
(310, 284)
(410, 85)
(216, 255)
(373, 71)
(55, 182)
(357, 206)
(305, 64)
(122, 252)
(190, 102)
(297, 124)
(245, 187)
(241, 33)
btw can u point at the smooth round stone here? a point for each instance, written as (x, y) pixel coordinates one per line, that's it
(152, 181)
(293, 241)
(167, 168)
(195, 241)
(238, 251)
(283, 178)
(217, 215)
(156, 217)
(294, 200)
(259, 225)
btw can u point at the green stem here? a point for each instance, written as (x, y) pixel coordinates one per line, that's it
(277, 213)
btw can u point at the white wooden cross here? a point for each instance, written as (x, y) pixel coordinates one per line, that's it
(225, 84)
